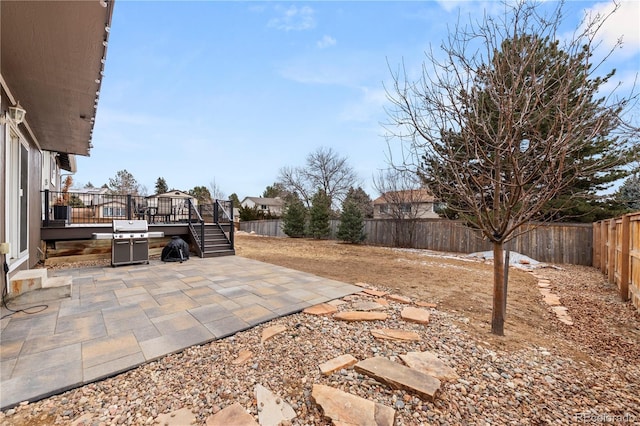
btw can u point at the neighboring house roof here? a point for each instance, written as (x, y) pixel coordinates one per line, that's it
(111, 202)
(275, 202)
(174, 193)
(94, 191)
(52, 60)
(405, 196)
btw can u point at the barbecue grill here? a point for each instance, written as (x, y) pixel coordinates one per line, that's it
(130, 241)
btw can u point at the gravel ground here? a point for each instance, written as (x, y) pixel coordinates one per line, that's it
(591, 376)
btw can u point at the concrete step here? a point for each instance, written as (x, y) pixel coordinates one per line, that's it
(27, 280)
(34, 286)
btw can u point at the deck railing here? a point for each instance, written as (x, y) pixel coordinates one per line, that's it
(223, 215)
(67, 208)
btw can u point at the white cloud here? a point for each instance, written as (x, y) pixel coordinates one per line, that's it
(326, 41)
(449, 5)
(294, 19)
(328, 68)
(624, 23)
(369, 106)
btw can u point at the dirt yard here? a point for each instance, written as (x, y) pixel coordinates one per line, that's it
(602, 323)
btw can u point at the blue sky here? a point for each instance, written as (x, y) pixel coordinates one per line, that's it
(203, 91)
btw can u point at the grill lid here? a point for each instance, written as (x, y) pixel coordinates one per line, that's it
(130, 226)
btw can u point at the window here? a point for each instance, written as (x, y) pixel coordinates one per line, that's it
(405, 208)
(110, 211)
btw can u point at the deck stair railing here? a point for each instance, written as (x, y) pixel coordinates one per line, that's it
(223, 215)
(196, 226)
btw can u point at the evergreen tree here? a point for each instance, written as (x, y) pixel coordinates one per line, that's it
(202, 194)
(294, 218)
(629, 193)
(362, 201)
(351, 228)
(590, 164)
(235, 200)
(275, 190)
(319, 215)
(247, 213)
(124, 183)
(161, 186)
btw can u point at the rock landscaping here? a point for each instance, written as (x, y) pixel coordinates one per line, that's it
(378, 359)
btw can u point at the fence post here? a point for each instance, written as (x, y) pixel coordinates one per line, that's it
(596, 246)
(625, 258)
(612, 252)
(603, 247)
(46, 207)
(129, 209)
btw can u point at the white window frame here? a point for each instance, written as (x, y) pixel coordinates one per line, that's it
(15, 218)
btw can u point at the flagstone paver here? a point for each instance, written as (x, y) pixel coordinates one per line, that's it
(553, 301)
(390, 334)
(399, 298)
(180, 417)
(321, 309)
(399, 376)
(337, 363)
(234, 415)
(269, 332)
(351, 410)
(374, 292)
(272, 409)
(243, 356)
(411, 314)
(367, 306)
(382, 302)
(429, 363)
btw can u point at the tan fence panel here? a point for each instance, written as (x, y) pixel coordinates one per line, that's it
(550, 243)
(618, 254)
(634, 260)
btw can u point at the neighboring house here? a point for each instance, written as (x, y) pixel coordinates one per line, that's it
(90, 196)
(405, 204)
(52, 56)
(111, 210)
(272, 206)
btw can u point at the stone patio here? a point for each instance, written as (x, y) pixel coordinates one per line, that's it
(119, 318)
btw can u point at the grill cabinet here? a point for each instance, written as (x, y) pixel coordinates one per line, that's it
(130, 242)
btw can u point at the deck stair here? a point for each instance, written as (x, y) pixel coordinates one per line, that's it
(216, 242)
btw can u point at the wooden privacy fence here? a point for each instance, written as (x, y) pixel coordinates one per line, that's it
(616, 252)
(551, 243)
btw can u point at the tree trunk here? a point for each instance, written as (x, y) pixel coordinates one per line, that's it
(497, 320)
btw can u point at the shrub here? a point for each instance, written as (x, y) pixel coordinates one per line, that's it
(351, 228)
(294, 218)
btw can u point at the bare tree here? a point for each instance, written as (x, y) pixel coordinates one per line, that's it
(403, 194)
(325, 171)
(502, 122)
(216, 191)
